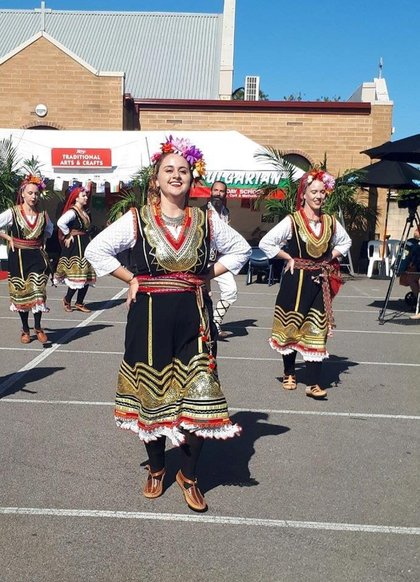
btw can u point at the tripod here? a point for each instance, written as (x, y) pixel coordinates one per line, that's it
(413, 217)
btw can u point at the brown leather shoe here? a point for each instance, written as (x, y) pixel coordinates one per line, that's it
(41, 336)
(289, 382)
(82, 307)
(25, 337)
(315, 391)
(154, 484)
(67, 306)
(192, 494)
(222, 334)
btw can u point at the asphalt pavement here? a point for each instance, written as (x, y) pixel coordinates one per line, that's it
(311, 491)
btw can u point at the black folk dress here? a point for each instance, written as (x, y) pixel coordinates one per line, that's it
(168, 380)
(73, 268)
(28, 264)
(300, 319)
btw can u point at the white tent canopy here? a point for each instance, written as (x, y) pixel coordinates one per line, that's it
(115, 156)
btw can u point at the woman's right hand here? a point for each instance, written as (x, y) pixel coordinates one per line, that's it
(290, 266)
(68, 241)
(133, 287)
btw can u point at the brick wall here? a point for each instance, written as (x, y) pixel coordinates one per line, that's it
(75, 97)
(340, 135)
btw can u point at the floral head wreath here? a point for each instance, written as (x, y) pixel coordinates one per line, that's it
(71, 195)
(30, 179)
(308, 178)
(184, 148)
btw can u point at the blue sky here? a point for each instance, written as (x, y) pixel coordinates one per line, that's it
(318, 48)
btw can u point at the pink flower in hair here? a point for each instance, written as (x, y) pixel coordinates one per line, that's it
(184, 148)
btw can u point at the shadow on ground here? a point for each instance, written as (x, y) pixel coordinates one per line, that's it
(55, 336)
(18, 381)
(107, 304)
(226, 462)
(397, 312)
(332, 369)
(239, 328)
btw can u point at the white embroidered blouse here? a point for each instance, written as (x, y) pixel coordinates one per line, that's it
(233, 250)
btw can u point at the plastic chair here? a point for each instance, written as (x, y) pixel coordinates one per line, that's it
(374, 252)
(393, 247)
(3, 257)
(259, 263)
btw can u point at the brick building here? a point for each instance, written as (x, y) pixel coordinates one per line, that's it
(129, 71)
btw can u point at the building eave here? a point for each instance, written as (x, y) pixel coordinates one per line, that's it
(321, 107)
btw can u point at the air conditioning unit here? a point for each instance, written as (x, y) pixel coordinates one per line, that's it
(252, 88)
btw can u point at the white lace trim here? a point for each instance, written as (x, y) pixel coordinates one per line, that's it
(39, 307)
(307, 356)
(70, 284)
(176, 436)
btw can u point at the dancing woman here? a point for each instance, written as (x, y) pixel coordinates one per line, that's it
(28, 228)
(310, 242)
(168, 384)
(73, 268)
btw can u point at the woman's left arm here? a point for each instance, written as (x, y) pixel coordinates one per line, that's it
(233, 249)
(6, 220)
(341, 242)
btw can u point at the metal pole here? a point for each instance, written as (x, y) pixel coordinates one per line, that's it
(413, 216)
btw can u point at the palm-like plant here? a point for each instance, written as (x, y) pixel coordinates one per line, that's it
(134, 196)
(9, 175)
(344, 202)
(274, 207)
(12, 172)
(347, 203)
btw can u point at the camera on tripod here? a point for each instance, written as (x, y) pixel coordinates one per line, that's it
(409, 200)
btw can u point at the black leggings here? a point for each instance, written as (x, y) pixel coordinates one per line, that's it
(313, 369)
(191, 450)
(81, 294)
(24, 317)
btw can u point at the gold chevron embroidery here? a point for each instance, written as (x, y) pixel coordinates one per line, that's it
(315, 246)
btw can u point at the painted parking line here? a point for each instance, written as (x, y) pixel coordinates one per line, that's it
(355, 415)
(256, 328)
(335, 362)
(213, 520)
(47, 352)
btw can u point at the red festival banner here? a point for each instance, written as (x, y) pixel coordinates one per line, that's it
(81, 158)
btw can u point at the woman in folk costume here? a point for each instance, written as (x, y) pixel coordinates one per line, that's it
(310, 242)
(73, 268)
(28, 262)
(168, 384)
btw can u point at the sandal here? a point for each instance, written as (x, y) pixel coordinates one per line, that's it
(154, 483)
(82, 307)
(67, 306)
(315, 391)
(289, 382)
(41, 336)
(192, 494)
(25, 337)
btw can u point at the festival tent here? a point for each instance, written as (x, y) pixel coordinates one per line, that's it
(109, 159)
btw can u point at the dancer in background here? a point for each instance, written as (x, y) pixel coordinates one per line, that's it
(29, 268)
(168, 384)
(310, 242)
(226, 281)
(73, 269)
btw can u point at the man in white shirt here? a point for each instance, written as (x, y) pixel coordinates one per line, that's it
(226, 282)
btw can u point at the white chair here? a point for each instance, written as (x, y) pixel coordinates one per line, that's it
(375, 250)
(393, 247)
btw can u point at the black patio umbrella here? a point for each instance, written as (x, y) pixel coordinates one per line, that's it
(387, 174)
(406, 149)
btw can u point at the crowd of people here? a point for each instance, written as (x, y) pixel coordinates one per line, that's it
(168, 386)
